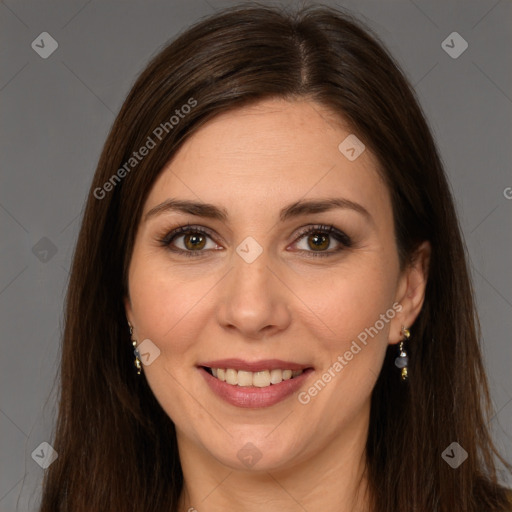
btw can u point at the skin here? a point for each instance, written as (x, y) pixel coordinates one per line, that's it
(253, 162)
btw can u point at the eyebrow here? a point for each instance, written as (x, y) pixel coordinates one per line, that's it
(296, 209)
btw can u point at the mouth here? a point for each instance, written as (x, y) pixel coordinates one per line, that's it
(254, 384)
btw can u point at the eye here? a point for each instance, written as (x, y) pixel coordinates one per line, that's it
(189, 240)
(316, 240)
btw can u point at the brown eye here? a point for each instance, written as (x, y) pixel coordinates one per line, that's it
(318, 241)
(315, 240)
(190, 241)
(194, 241)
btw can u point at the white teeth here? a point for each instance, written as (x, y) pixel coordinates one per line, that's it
(244, 378)
(260, 379)
(276, 376)
(231, 376)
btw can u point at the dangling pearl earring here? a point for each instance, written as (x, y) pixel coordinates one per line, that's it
(135, 350)
(402, 360)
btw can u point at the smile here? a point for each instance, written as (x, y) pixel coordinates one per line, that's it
(254, 384)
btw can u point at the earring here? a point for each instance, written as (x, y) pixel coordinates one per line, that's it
(402, 359)
(135, 350)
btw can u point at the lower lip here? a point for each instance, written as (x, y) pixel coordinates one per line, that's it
(253, 397)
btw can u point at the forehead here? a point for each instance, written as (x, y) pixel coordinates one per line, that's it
(269, 154)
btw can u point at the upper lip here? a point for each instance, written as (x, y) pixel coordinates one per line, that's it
(255, 366)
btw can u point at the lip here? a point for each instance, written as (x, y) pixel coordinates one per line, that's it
(255, 366)
(253, 397)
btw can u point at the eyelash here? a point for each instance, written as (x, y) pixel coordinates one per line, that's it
(338, 235)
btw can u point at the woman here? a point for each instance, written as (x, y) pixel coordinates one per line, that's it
(270, 228)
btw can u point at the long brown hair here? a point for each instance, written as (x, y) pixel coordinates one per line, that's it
(117, 447)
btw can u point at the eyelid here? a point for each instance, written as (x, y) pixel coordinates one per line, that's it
(185, 229)
(327, 229)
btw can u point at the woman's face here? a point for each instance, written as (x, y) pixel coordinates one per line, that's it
(259, 289)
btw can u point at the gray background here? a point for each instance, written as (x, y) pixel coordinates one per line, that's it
(56, 113)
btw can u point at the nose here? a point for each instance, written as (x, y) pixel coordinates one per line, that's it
(253, 300)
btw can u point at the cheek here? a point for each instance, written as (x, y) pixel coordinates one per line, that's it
(348, 303)
(356, 313)
(164, 304)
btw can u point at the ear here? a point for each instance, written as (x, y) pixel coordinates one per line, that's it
(128, 309)
(411, 291)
